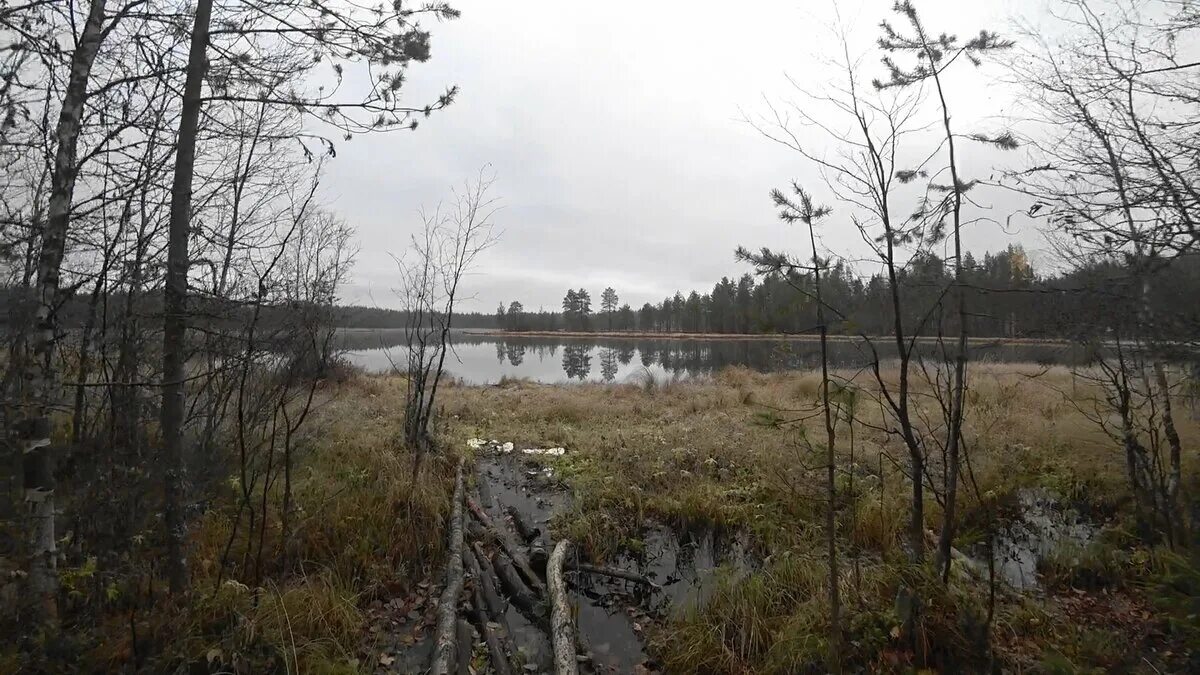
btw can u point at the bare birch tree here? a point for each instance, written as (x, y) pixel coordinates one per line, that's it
(440, 255)
(1111, 169)
(36, 430)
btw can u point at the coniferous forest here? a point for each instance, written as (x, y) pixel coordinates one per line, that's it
(1013, 301)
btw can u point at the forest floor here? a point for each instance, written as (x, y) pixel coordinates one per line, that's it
(698, 486)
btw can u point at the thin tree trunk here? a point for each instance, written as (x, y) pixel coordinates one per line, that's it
(1174, 471)
(916, 529)
(85, 361)
(835, 608)
(37, 462)
(954, 440)
(175, 302)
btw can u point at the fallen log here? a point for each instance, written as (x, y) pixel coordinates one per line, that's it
(482, 568)
(444, 650)
(562, 628)
(614, 573)
(510, 547)
(466, 645)
(523, 529)
(514, 587)
(495, 642)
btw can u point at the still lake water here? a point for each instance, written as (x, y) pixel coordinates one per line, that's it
(485, 359)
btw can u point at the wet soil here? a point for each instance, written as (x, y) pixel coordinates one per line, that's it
(613, 615)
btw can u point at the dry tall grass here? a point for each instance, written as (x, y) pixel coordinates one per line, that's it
(711, 451)
(706, 450)
(361, 531)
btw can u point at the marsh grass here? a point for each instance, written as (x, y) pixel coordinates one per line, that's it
(685, 452)
(700, 451)
(652, 382)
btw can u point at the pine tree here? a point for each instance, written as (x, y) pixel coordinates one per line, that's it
(583, 308)
(608, 303)
(570, 307)
(516, 316)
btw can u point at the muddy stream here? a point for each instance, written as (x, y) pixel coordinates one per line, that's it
(613, 614)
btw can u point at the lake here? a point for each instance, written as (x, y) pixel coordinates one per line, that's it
(485, 359)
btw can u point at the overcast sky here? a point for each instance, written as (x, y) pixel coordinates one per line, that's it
(616, 131)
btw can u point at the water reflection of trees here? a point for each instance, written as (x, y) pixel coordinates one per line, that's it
(625, 353)
(647, 357)
(608, 363)
(696, 357)
(689, 358)
(515, 351)
(577, 361)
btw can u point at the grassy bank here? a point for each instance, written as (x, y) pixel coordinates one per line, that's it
(709, 453)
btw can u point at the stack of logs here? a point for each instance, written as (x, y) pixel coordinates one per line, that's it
(510, 574)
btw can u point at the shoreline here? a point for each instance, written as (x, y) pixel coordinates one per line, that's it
(772, 337)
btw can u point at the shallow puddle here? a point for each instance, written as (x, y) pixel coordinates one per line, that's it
(1043, 525)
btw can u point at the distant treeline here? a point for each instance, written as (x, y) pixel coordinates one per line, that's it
(1007, 296)
(205, 312)
(1009, 299)
(73, 311)
(358, 316)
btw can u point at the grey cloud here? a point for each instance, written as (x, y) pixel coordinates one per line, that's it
(615, 133)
